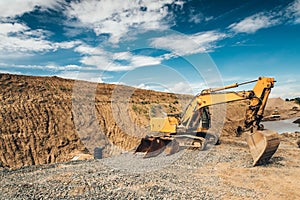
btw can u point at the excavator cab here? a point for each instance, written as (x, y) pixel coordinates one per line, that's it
(205, 118)
(199, 120)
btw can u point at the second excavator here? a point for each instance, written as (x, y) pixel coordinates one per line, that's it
(190, 129)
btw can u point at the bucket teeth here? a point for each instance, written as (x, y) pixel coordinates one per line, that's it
(153, 146)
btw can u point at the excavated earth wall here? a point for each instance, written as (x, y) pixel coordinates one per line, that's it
(50, 119)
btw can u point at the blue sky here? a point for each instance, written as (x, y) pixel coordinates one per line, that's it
(169, 45)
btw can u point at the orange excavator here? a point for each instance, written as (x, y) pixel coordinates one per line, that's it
(191, 128)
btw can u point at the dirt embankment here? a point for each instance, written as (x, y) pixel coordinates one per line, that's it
(279, 109)
(36, 125)
(50, 119)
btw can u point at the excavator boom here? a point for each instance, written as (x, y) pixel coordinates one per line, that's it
(195, 121)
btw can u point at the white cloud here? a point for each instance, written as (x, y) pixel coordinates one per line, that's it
(108, 64)
(178, 88)
(144, 86)
(100, 59)
(56, 68)
(188, 44)
(9, 72)
(287, 86)
(140, 61)
(50, 67)
(94, 60)
(104, 63)
(109, 61)
(254, 23)
(65, 45)
(77, 75)
(14, 8)
(179, 3)
(290, 13)
(17, 38)
(87, 50)
(117, 17)
(294, 11)
(15, 44)
(196, 18)
(122, 56)
(285, 91)
(6, 28)
(181, 88)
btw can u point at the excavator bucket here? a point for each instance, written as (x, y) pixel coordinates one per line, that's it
(262, 144)
(153, 146)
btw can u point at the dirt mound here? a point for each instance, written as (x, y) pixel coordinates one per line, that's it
(275, 103)
(282, 108)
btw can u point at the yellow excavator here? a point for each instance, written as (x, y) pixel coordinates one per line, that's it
(191, 128)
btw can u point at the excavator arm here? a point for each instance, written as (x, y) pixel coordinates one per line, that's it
(263, 144)
(258, 99)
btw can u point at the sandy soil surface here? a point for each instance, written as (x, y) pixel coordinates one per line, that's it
(222, 172)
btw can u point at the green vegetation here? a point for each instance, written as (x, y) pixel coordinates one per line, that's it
(47, 85)
(134, 108)
(145, 102)
(176, 102)
(64, 89)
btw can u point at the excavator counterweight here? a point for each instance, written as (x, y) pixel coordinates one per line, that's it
(190, 128)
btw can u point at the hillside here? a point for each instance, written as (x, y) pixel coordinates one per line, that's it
(45, 120)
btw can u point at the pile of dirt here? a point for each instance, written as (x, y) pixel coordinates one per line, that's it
(282, 108)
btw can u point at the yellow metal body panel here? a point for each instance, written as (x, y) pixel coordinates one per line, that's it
(200, 129)
(164, 125)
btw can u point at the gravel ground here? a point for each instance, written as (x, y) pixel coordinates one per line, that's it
(223, 172)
